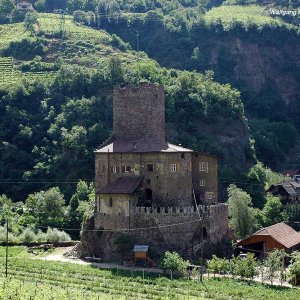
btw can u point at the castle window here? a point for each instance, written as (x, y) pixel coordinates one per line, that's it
(202, 182)
(173, 168)
(126, 169)
(110, 202)
(150, 167)
(203, 167)
(114, 169)
(148, 181)
(204, 233)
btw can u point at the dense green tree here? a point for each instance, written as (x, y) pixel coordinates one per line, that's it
(79, 203)
(272, 211)
(73, 5)
(47, 207)
(174, 265)
(241, 213)
(30, 20)
(115, 71)
(40, 5)
(255, 184)
(6, 8)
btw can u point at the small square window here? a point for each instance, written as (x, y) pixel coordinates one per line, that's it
(202, 182)
(150, 167)
(148, 181)
(173, 168)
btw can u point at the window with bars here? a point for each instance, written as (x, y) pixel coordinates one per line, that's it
(203, 166)
(173, 168)
(202, 182)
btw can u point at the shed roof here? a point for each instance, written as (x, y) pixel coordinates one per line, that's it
(281, 232)
(140, 248)
(122, 185)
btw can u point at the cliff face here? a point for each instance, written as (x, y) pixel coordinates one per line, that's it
(232, 137)
(259, 63)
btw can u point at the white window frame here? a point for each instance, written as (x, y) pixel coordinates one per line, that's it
(202, 182)
(173, 168)
(115, 169)
(203, 166)
(127, 169)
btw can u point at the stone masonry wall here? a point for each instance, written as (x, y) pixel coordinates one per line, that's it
(169, 188)
(139, 112)
(176, 229)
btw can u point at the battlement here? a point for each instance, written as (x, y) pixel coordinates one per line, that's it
(204, 210)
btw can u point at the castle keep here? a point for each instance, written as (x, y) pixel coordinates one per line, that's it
(149, 189)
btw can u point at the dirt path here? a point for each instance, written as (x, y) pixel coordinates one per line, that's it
(57, 255)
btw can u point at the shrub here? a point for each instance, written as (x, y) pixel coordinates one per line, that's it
(27, 236)
(56, 236)
(41, 236)
(294, 268)
(174, 264)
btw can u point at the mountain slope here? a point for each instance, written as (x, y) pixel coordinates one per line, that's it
(50, 124)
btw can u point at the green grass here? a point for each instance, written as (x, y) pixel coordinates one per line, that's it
(248, 15)
(53, 280)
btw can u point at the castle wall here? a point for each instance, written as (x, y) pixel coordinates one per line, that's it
(115, 204)
(168, 188)
(173, 229)
(206, 194)
(139, 112)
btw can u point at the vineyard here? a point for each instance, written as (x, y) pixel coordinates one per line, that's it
(252, 15)
(9, 74)
(35, 279)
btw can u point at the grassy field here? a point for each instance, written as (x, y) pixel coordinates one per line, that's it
(40, 280)
(246, 16)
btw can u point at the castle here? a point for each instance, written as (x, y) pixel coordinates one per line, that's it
(159, 194)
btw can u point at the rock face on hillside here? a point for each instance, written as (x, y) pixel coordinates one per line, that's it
(258, 64)
(230, 136)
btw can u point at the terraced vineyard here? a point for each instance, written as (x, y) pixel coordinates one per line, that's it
(9, 74)
(35, 279)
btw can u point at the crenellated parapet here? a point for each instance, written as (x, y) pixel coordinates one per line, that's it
(221, 208)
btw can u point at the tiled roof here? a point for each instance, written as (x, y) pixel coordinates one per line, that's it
(122, 185)
(142, 145)
(282, 233)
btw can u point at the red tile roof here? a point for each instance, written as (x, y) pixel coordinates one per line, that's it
(122, 185)
(282, 233)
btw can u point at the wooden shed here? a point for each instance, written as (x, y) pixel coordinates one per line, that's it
(140, 253)
(278, 236)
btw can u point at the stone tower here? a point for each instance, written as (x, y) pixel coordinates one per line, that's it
(139, 112)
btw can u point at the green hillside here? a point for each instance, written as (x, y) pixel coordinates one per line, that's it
(55, 103)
